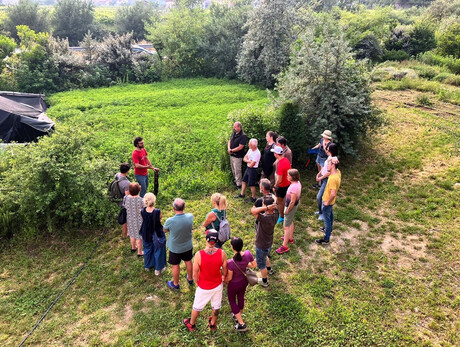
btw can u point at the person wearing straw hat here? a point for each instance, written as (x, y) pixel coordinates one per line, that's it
(326, 137)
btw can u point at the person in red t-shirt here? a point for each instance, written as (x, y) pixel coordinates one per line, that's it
(282, 183)
(209, 267)
(141, 165)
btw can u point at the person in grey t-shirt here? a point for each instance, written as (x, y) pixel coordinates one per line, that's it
(123, 185)
(179, 242)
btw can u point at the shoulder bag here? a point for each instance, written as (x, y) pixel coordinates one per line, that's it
(251, 276)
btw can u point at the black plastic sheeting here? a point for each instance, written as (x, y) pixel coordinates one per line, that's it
(23, 117)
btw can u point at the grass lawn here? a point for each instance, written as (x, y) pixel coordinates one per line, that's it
(390, 277)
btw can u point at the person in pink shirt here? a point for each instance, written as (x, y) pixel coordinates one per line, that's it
(291, 205)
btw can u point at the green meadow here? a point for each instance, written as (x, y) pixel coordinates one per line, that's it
(390, 277)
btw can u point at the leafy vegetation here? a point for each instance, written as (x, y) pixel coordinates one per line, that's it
(388, 278)
(94, 134)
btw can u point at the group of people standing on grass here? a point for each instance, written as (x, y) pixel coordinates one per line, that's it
(281, 191)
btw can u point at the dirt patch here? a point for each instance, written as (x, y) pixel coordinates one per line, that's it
(408, 251)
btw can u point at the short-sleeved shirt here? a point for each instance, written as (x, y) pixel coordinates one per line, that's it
(333, 183)
(180, 232)
(235, 141)
(254, 156)
(268, 159)
(283, 167)
(140, 157)
(238, 276)
(265, 229)
(123, 184)
(287, 153)
(294, 188)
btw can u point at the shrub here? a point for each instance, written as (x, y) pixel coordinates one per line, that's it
(369, 48)
(449, 41)
(421, 38)
(453, 80)
(450, 63)
(293, 128)
(424, 100)
(67, 185)
(426, 72)
(398, 55)
(442, 76)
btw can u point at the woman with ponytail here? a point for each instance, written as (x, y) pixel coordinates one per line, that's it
(236, 280)
(214, 217)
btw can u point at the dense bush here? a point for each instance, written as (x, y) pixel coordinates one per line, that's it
(421, 38)
(331, 89)
(67, 185)
(294, 128)
(450, 63)
(449, 41)
(398, 55)
(369, 48)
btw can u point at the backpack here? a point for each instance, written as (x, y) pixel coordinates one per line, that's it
(224, 228)
(115, 193)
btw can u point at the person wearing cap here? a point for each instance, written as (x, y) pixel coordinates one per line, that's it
(209, 267)
(282, 183)
(252, 159)
(235, 148)
(179, 242)
(287, 153)
(326, 137)
(266, 217)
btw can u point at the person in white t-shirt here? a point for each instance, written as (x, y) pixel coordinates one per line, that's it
(252, 159)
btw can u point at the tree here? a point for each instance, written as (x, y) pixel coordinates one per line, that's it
(134, 18)
(224, 37)
(178, 38)
(7, 46)
(266, 46)
(72, 19)
(421, 38)
(26, 12)
(449, 41)
(115, 54)
(330, 88)
(369, 48)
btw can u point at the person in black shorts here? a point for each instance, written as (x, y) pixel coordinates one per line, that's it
(179, 242)
(252, 158)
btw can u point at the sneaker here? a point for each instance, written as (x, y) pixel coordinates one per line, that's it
(238, 187)
(317, 212)
(241, 327)
(157, 272)
(290, 241)
(212, 327)
(163, 270)
(173, 286)
(239, 196)
(189, 326)
(280, 220)
(147, 269)
(234, 318)
(263, 284)
(322, 229)
(282, 250)
(251, 199)
(316, 186)
(322, 241)
(320, 217)
(190, 282)
(271, 272)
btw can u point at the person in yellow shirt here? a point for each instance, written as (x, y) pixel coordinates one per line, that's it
(330, 193)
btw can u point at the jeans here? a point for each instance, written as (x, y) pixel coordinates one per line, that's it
(261, 257)
(144, 182)
(154, 257)
(328, 220)
(319, 197)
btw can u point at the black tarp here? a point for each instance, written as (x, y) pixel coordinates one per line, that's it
(23, 117)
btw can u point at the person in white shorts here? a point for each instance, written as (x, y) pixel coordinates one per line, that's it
(209, 266)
